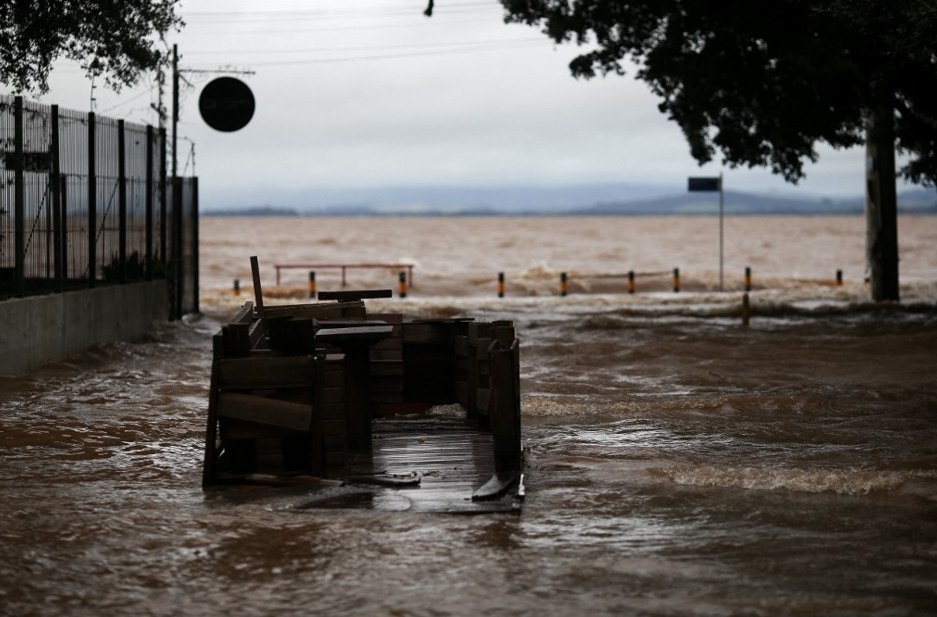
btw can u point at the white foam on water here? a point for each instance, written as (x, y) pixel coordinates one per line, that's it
(841, 481)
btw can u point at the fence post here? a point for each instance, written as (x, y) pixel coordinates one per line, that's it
(631, 281)
(195, 263)
(121, 202)
(748, 278)
(563, 287)
(839, 277)
(176, 249)
(500, 284)
(676, 280)
(163, 256)
(149, 202)
(92, 204)
(63, 196)
(19, 196)
(312, 283)
(403, 284)
(57, 219)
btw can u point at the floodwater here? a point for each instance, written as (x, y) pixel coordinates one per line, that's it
(678, 463)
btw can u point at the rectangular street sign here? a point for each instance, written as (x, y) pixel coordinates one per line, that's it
(705, 184)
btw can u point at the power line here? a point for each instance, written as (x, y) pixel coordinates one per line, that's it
(413, 46)
(325, 28)
(394, 56)
(382, 11)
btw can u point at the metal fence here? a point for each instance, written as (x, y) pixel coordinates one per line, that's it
(85, 201)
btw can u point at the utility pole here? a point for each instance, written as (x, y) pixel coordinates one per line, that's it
(175, 103)
(175, 99)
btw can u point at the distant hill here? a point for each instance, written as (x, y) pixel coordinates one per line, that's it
(582, 200)
(736, 203)
(254, 211)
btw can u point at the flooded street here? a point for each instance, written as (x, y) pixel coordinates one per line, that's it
(677, 463)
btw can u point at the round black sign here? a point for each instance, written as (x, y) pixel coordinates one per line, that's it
(226, 104)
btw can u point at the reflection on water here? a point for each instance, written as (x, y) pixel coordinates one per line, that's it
(677, 464)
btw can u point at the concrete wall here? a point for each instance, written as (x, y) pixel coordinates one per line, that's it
(43, 329)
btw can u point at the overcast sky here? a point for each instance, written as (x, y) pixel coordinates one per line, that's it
(364, 93)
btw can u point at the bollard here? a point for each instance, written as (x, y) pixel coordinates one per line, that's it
(403, 284)
(237, 287)
(839, 277)
(500, 284)
(312, 284)
(676, 280)
(631, 281)
(563, 288)
(748, 278)
(746, 310)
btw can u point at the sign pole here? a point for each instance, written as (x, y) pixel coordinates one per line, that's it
(721, 217)
(712, 184)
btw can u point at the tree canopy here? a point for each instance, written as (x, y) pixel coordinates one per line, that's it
(114, 39)
(765, 82)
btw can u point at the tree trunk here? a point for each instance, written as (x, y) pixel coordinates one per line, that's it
(881, 206)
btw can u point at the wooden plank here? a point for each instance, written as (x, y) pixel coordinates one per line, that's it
(323, 311)
(483, 395)
(256, 373)
(505, 408)
(355, 294)
(236, 340)
(258, 293)
(264, 410)
(386, 398)
(391, 318)
(378, 384)
(232, 429)
(334, 393)
(427, 333)
(337, 336)
(388, 368)
(245, 314)
(387, 354)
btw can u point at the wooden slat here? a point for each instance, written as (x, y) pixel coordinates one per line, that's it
(334, 336)
(233, 429)
(258, 292)
(427, 333)
(355, 294)
(264, 410)
(325, 310)
(255, 373)
(382, 368)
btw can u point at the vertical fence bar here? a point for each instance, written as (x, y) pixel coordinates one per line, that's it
(92, 203)
(500, 284)
(195, 265)
(162, 197)
(175, 261)
(121, 202)
(58, 221)
(19, 200)
(149, 202)
(63, 195)
(748, 278)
